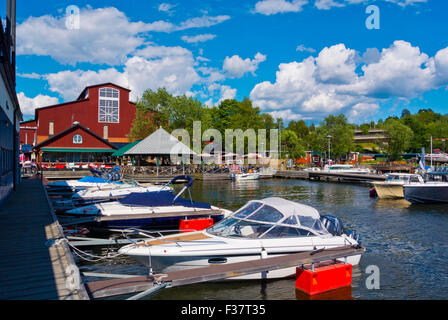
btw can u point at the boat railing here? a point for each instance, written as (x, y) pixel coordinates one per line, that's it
(147, 233)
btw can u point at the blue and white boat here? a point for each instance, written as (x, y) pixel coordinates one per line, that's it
(99, 180)
(150, 210)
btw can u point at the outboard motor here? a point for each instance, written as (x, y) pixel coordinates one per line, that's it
(333, 224)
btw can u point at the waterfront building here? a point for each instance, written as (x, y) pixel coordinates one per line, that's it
(102, 111)
(74, 146)
(10, 114)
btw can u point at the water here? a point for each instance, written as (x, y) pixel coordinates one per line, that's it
(407, 242)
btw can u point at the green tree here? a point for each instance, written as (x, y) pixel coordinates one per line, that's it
(341, 133)
(400, 137)
(292, 145)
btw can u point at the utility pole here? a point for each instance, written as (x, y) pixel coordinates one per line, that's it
(329, 155)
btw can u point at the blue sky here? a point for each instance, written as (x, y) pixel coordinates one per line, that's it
(296, 59)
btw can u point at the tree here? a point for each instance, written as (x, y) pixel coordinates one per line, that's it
(400, 137)
(294, 145)
(341, 133)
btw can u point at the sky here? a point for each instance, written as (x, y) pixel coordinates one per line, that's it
(295, 59)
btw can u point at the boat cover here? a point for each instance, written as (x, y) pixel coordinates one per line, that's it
(160, 199)
(94, 180)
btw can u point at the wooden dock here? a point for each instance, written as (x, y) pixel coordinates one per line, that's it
(329, 176)
(32, 265)
(114, 287)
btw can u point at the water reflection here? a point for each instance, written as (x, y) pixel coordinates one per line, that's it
(407, 242)
(392, 203)
(344, 293)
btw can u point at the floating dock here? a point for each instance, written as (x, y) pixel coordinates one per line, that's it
(149, 284)
(34, 265)
(330, 176)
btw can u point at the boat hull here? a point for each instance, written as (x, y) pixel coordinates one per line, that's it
(426, 193)
(169, 264)
(389, 190)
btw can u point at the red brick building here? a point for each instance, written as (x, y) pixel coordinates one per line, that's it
(103, 111)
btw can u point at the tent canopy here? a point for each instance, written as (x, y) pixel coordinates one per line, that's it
(160, 143)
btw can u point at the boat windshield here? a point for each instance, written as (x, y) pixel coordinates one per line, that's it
(256, 220)
(398, 178)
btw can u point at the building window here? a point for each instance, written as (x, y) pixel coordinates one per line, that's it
(51, 128)
(77, 139)
(109, 105)
(106, 132)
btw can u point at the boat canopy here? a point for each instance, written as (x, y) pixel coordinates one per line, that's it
(93, 179)
(271, 218)
(160, 199)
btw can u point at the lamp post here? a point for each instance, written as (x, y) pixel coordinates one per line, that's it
(329, 155)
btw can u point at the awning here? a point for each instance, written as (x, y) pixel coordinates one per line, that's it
(120, 152)
(78, 150)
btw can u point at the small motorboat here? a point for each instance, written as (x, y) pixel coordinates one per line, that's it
(245, 176)
(392, 187)
(344, 168)
(434, 188)
(98, 180)
(93, 195)
(262, 228)
(149, 210)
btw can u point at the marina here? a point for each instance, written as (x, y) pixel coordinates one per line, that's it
(400, 258)
(202, 151)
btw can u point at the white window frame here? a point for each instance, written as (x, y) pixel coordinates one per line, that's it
(77, 141)
(112, 99)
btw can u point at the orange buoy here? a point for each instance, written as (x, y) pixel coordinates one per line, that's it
(325, 277)
(195, 224)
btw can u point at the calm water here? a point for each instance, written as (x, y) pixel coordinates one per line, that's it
(407, 242)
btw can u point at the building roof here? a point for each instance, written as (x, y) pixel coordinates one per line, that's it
(80, 98)
(121, 152)
(71, 129)
(160, 143)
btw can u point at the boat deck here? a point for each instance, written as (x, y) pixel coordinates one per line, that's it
(29, 269)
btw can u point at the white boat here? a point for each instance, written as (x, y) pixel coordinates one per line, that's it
(94, 195)
(109, 180)
(392, 187)
(245, 176)
(149, 210)
(344, 168)
(262, 228)
(434, 189)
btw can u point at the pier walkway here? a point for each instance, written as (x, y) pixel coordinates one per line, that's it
(129, 285)
(32, 265)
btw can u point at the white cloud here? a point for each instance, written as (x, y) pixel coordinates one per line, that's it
(362, 111)
(198, 38)
(227, 93)
(302, 48)
(28, 105)
(106, 36)
(285, 115)
(327, 4)
(169, 67)
(29, 75)
(236, 67)
(166, 7)
(336, 65)
(338, 81)
(269, 7)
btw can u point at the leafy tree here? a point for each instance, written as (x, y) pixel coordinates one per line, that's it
(400, 137)
(292, 145)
